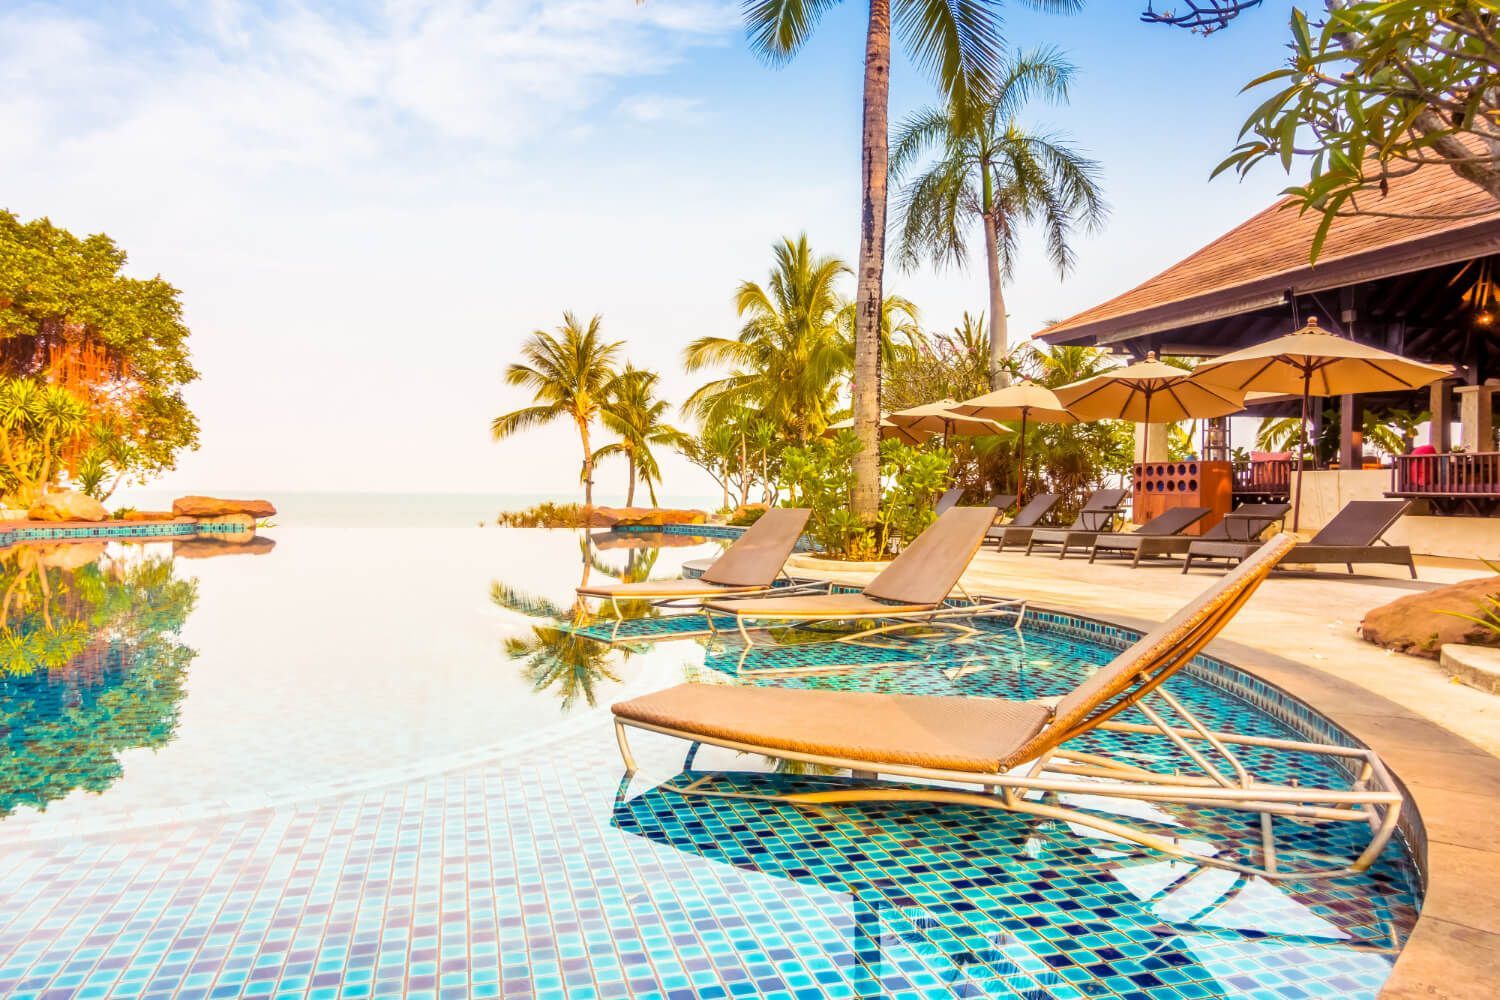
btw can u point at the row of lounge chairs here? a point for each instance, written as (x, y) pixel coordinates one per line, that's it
(1354, 536)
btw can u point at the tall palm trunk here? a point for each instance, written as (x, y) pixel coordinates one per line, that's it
(630, 489)
(874, 163)
(999, 327)
(588, 464)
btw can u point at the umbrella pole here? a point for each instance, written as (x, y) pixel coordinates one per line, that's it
(1301, 448)
(1021, 465)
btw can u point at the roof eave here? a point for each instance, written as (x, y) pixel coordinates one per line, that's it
(1478, 240)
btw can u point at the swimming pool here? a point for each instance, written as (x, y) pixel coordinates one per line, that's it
(367, 764)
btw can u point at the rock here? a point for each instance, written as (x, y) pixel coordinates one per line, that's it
(605, 517)
(147, 515)
(748, 513)
(216, 507)
(207, 547)
(1416, 623)
(67, 505)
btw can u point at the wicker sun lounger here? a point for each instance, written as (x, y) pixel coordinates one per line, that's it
(1017, 531)
(912, 590)
(1353, 536)
(1097, 517)
(1162, 534)
(1018, 751)
(749, 566)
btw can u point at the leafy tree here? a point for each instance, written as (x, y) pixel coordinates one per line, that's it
(38, 424)
(70, 319)
(1378, 90)
(958, 41)
(789, 357)
(571, 373)
(634, 412)
(992, 168)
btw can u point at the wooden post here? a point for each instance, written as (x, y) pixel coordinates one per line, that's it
(1351, 432)
(1440, 405)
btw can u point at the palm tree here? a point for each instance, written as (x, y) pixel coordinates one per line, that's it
(959, 42)
(571, 373)
(789, 357)
(993, 168)
(635, 413)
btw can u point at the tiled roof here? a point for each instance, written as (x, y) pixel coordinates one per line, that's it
(1269, 253)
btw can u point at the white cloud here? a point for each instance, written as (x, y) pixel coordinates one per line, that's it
(651, 108)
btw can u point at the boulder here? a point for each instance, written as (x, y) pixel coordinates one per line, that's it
(67, 505)
(605, 517)
(208, 546)
(147, 515)
(1416, 623)
(217, 507)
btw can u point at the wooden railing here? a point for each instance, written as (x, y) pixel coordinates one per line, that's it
(1266, 476)
(1460, 474)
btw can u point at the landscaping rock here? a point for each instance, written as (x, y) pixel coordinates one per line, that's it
(147, 515)
(217, 507)
(606, 517)
(1476, 666)
(67, 505)
(1416, 624)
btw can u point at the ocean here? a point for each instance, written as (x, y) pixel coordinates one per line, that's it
(396, 510)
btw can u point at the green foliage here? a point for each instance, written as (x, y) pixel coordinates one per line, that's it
(38, 423)
(790, 356)
(820, 477)
(633, 411)
(546, 515)
(69, 317)
(747, 516)
(989, 164)
(1379, 89)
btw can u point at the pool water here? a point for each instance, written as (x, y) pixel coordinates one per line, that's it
(379, 763)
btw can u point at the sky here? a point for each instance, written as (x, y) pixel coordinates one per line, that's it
(368, 206)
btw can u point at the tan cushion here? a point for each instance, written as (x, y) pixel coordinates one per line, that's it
(952, 734)
(663, 588)
(812, 606)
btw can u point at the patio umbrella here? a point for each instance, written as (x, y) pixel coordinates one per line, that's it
(1023, 400)
(887, 430)
(1149, 392)
(940, 418)
(1314, 362)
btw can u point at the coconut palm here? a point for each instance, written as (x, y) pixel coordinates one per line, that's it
(789, 357)
(991, 168)
(958, 41)
(570, 372)
(634, 412)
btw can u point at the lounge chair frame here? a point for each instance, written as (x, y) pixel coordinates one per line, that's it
(1040, 784)
(1099, 516)
(1378, 552)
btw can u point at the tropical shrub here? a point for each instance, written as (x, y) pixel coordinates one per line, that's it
(39, 424)
(547, 515)
(820, 477)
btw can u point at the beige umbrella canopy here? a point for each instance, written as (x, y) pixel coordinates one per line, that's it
(887, 430)
(1149, 392)
(1314, 362)
(1023, 401)
(940, 418)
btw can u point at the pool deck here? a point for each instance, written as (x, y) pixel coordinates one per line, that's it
(1440, 737)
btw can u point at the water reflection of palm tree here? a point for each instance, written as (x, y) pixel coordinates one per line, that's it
(90, 666)
(555, 655)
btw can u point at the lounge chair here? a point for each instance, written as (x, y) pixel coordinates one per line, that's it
(948, 500)
(1353, 536)
(1019, 748)
(1002, 502)
(1155, 537)
(749, 566)
(1097, 517)
(912, 591)
(1245, 525)
(1017, 531)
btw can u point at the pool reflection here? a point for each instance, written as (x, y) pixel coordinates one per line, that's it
(90, 666)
